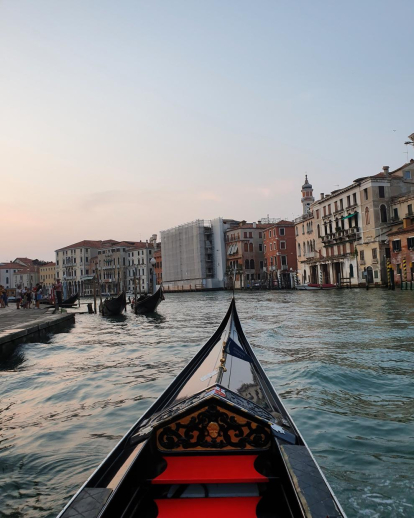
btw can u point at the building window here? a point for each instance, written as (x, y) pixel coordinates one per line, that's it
(410, 243)
(251, 264)
(281, 231)
(376, 274)
(246, 247)
(296, 231)
(261, 265)
(410, 209)
(250, 234)
(329, 209)
(324, 211)
(398, 269)
(245, 234)
(362, 255)
(374, 253)
(396, 218)
(383, 214)
(250, 247)
(265, 248)
(260, 235)
(341, 204)
(396, 245)
(365, 194)
(246, 264)
(270, 233)
(351, 270)
(367, 216)
(284, 260)
(407, 175)
(303, 229)
(317, 214)
(260, 248)
(381, 191)
(271, 246)
(348, 201)
(283, 245)
(354, 199)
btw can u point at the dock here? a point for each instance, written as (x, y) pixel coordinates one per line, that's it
(29, 325)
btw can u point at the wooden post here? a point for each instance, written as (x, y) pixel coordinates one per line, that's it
(135, 286)
(94, 295)
(100, 293)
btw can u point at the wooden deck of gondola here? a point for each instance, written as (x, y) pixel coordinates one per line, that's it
(29, 325)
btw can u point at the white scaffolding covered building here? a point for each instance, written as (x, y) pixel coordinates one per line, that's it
(193, 254)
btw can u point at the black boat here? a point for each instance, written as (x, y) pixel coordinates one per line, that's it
(113, 306)
(148, 303)
(217, 443)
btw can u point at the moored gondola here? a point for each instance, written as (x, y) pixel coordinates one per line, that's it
(148, 303)
(218, 442)
(113, 306)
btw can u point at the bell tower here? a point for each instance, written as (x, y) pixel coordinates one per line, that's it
(307, 196)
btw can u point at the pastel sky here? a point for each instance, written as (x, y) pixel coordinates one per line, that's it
(119, 119)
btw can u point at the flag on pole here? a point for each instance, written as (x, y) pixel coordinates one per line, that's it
(235, 350)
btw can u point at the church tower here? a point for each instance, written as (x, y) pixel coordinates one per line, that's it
(307, 196)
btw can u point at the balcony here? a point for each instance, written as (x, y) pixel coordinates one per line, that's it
(362, 262)
(284, 267)
(311, 255)
(375, 261)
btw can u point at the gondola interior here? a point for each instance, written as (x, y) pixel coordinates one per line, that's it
(218, 443)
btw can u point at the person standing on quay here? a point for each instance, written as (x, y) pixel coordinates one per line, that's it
(58, 292)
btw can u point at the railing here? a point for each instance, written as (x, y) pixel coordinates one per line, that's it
(284, 266)
(362, 262)
(311, 255)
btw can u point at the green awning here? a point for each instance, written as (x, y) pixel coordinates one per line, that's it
(350, 215)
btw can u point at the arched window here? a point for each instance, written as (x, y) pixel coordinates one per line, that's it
(298, 249)
(319, 231)
(246, 247)
(367, 216)
(314, 245)
(383, 214)
(251, 264)
(246, 264)
(251, 247)
(351, 270)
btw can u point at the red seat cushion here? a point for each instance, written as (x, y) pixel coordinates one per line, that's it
(207, 507)
(214, 469)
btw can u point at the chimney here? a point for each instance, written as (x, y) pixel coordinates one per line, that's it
(406, 222)
(254, 224)
(322, 195)
(386, 169)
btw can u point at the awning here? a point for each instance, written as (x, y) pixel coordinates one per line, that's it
(349, 215)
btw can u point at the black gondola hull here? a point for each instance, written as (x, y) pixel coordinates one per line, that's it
(150, 303)
(114, 306)
(217, 442)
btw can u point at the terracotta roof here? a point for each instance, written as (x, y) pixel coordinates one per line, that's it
(10, 265)
(86, 243)
(411, 162)
(25, 260)
(250, 226)
(32, 269)
(407, 230)
(51, 263)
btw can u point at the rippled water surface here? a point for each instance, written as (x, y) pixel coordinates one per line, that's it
(343, 362)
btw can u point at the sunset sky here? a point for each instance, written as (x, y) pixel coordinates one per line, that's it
(119, 119)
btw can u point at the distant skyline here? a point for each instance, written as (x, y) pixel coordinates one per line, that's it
(121, 119)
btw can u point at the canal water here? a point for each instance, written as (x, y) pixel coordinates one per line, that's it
(343, 362)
